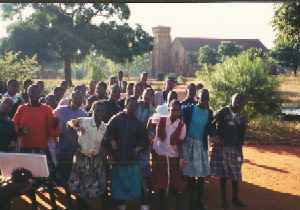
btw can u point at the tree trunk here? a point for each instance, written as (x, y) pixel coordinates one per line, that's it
(295, 71)
(68, 70)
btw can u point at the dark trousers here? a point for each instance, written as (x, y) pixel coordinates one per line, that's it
(64, 168)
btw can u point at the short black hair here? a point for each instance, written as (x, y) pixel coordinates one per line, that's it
(130, 98)
(102, 84)
(101, 102)
(191, 85)
(175, 102)
(56, 89)
(9, 82)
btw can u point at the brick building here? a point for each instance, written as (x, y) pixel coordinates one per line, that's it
(180, 55)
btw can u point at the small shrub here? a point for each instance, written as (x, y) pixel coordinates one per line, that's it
(245, 75)
(160, 76)
(14, 67)
(171, 76)
(181, 79)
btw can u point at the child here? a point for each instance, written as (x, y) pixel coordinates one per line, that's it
(166, 172)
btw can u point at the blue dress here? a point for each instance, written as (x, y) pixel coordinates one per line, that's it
(143, 113)
(193, 150)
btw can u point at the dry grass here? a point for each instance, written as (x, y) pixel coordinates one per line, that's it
(273, 130)
(289, 90)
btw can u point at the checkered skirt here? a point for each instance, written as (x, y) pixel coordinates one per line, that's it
(226, 162)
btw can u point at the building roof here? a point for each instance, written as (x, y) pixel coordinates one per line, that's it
(194, 43)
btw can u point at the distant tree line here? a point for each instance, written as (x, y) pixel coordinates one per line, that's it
(68, 32)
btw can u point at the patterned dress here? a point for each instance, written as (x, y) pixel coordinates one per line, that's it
(88, 178)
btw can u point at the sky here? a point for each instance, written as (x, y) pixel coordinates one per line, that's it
(216, 20)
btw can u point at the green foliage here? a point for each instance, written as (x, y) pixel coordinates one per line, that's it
(228, 49)
(139, 64)
(160, 76)
(181, 79)
(172, 76)
(97, 67)
(207, 56)
(14, 67)
(286, 22)
(71, 30)
(256, 53)
(243, 74)
(286, 54)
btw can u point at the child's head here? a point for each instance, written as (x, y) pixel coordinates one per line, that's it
(172, 95)
(51, 101)
(99, 110)
(175, 109)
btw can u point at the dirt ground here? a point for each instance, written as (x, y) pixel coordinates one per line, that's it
(271, 181)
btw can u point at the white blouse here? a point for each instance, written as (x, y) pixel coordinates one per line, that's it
(164, 148)
(90, 140)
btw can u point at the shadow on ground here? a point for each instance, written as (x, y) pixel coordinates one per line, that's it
(257, 198)
(278, 149)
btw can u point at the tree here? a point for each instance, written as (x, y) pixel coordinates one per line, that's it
(287, 55)
(228, 49)
(255, 53)
(72, 30)
(14, 67)
(139, 64)
(98, 67)
(207, 56)
(286, 22)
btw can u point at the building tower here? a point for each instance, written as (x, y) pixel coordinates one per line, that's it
(161, 54)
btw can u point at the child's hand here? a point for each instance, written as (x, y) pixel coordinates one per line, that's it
(81, 130)
(138, 149)
(114, 145)
(182, 163)
(215, 140)
(23, 131)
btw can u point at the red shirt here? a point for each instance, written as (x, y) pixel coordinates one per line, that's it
(39, 123)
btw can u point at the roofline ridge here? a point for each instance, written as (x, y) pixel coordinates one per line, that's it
(216, 38)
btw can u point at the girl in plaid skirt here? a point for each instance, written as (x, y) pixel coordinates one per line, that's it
(226, 155)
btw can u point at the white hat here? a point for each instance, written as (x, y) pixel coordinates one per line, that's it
(161, 111)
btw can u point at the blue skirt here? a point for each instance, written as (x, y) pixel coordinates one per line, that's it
(196, 157)
(126, 182)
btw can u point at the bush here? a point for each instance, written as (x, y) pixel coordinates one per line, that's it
(172, 76)
(14, 67)
(246, 75)
(181, 79)
(99, 67)
(160, 76)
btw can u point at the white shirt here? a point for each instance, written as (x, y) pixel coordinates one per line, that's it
(158, 98)
(164, 148)
(90, 140)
